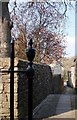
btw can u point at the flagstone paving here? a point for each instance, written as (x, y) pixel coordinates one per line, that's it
(57, 106)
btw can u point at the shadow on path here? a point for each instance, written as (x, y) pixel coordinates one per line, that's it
(57, 106)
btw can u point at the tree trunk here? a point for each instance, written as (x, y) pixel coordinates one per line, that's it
(6, 32)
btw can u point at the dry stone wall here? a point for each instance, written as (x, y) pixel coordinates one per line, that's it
(5, 90)
(42, 86)
(57, 84)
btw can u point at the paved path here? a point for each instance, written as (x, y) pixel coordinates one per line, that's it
(47, 107)
(57, 106)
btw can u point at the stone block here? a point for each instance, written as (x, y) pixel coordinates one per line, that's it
(15, 112)
(5, 78)
(5, 62)
(1, 87)
(6, 105)
(6, 87)
(15, 87)
(0, 106)
(15, 105)
(0, 110)
(5, 97)
(5, 111)
(16, 97)
(4, 116)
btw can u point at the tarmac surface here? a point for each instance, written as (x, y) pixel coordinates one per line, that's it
(58, 106)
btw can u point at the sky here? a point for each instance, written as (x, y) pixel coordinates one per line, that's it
(69, 29)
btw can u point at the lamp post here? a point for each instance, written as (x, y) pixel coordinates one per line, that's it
(30, 52)
(12, 81)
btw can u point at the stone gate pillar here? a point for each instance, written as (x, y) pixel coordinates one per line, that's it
(5, 35)
(5, 38)
(6, 32)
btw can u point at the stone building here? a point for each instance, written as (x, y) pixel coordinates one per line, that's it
(57, 68)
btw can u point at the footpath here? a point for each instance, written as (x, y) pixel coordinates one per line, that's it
(58, 107)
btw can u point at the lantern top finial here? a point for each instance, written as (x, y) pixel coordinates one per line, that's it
(31, 42)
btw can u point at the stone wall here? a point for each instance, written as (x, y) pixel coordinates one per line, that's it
(57, 84)
(5, 90)
(42, 86)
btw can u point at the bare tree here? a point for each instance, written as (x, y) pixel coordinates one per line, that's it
(43, 22)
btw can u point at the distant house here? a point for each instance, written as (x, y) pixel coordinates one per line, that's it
(57, 68)
(75, 61)
(73, 75)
